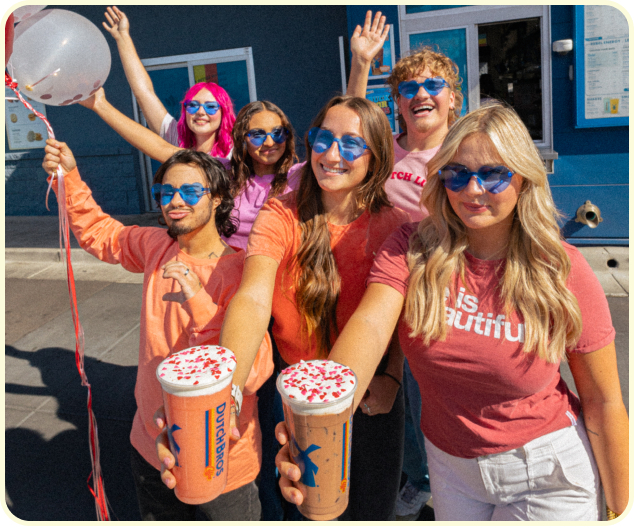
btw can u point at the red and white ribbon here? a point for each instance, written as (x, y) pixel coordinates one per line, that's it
(97, 486)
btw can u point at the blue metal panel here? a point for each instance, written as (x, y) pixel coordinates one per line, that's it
(591, 169)
(613, 201)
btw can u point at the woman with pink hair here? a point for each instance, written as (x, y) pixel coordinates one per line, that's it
(207, 114)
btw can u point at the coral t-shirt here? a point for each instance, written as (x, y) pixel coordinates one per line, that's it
(405, 186)
(170, 324)
(276, 234)
(482, 393)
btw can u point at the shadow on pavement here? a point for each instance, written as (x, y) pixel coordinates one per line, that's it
(47, 479)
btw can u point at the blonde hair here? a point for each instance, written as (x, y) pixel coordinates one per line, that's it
(533, 283)
(439, 64)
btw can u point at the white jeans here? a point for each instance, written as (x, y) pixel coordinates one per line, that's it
(553, 477)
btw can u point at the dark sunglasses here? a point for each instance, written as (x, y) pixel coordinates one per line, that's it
(192, 107)
(433, 86)
(258, 136)
(350, 148)
(190, 193)
(493, 179)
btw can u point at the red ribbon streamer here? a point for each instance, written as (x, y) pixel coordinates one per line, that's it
(97, 489)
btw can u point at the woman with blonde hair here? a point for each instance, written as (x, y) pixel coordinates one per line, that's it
(308, 256)
(493, 301)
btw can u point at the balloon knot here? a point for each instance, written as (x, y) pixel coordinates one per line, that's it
(11, 83)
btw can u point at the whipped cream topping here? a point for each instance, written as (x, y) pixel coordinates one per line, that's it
(317, 381)
(197, 366)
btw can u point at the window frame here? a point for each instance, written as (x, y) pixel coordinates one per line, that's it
(189, 61)
(469, 18)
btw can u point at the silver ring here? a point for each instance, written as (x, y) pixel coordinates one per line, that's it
(368, 408)
(186, 272)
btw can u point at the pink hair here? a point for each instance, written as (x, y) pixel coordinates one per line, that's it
(223, 144)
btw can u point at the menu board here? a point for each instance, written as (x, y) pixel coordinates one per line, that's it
(382, 97)
(602, 64)
(25, 131)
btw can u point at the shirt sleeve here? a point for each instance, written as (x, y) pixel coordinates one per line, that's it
(293, 177)
(390, 264)
(597, 331)
(271, 234)
(101, 235)
(169, 129)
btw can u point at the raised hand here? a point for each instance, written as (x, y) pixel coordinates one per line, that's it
(366, 42)
(94, 100)
(58, 154)
(118, 24)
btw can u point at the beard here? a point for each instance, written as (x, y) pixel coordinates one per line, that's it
(179, 228)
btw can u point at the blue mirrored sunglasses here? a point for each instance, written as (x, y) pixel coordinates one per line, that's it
(190, 193)
(433, 86)
(258, 136)
(350, 148)
(493, 179)
(192, 107)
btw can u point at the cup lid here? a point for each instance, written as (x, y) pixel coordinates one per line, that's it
(196, 367)
(317, 382)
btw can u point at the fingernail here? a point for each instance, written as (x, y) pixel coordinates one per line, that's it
(290, 472)
(235, 432)
(166, 462)
(159, 422)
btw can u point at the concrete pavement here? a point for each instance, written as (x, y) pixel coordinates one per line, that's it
(46, 426)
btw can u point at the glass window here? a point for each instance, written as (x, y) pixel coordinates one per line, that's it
(411, 9)
(510, 61)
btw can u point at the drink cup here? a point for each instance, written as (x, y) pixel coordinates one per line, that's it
(318, 398)
(196, 386)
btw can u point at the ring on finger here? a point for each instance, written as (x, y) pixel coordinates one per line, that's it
(186, 272)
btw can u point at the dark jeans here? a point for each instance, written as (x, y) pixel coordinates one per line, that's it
(158, 503)
(375, 464)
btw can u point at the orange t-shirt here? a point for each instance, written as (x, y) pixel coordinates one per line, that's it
(168, 325)
(276, 233)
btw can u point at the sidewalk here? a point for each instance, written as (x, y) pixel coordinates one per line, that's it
(32, 249)
(47, 460)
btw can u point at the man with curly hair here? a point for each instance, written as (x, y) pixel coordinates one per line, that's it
(427, 90)
(425, 111)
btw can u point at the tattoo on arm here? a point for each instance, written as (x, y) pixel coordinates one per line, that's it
(590, 431)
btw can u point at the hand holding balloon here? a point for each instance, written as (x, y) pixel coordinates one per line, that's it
(58, 153)
(93, 102)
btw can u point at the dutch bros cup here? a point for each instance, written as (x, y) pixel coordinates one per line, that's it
(318, 398)
(196, 386)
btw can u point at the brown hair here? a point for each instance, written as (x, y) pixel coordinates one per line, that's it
(241, 162)
(439, 64)
(317, 277)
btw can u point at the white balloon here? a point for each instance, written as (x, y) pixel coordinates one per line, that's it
(59, 57)
(26, 11)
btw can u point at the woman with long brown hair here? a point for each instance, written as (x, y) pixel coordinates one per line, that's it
(308, 257)
(494, 301)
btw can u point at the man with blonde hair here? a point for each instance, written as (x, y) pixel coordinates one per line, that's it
(426, 88)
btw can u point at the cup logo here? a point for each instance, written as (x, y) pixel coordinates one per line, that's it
(214, 441)
(308, 468)
(176, 449)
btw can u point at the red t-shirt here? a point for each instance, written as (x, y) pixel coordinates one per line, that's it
(481, 393)
(276, 233)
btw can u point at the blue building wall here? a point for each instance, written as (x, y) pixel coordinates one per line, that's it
(296, 59)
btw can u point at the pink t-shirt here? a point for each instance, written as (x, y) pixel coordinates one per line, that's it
(249, 202)
(406, 184)
(482, 393)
